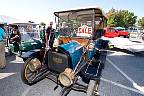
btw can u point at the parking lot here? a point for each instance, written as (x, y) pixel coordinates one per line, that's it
(122, 76)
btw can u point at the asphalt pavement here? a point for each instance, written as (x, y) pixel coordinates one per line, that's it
(122, 76)
(122, 71)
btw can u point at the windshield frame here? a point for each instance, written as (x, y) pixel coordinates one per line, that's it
(91, 14)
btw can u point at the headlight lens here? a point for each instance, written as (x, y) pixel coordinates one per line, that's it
(66, 78)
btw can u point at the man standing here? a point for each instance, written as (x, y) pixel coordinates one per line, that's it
(50, 36)
(2, 48)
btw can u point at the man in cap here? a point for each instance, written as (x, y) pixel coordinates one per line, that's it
(50, 36)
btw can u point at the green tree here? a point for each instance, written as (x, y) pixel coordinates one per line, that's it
(111, 17)
(141, 22)
(122, 18)
(129, 18)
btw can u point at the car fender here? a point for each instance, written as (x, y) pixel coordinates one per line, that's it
(30, 54)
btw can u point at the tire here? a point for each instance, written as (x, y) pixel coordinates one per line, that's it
(24, 75)
(90, 89)
(125, 36)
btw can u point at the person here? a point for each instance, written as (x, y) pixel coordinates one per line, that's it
(15, 39)
(65, 31)
(50, 36)
(42, 35)
(2, 47)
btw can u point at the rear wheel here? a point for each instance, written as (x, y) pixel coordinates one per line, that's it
(30, 76)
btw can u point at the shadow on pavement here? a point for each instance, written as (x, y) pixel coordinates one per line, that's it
(13, 64)
(139, 54)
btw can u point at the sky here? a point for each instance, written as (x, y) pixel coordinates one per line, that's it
(42, 10)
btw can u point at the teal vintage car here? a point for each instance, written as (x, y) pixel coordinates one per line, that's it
(75, 60)
(29, 38)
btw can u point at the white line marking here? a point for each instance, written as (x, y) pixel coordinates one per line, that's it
(141, 88)
(135, 85)
(16, 62)
(4, 75)
(122, 86)
(120, 70)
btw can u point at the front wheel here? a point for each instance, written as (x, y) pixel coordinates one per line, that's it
(31, 74)
(92, 89)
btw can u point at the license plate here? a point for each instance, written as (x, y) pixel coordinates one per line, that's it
(57, 60)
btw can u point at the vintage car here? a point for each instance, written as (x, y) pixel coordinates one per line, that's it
(78, 53)
(29, 38)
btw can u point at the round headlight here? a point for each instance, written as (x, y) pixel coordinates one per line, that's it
(66, 78)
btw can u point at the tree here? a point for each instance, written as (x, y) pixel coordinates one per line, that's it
(111, 16)
(141, 22)
(122, 18)
(129, 18)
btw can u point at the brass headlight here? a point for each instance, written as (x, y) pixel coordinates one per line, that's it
(66, 78)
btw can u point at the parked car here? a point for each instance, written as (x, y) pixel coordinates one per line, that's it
(112, 32)
(136, 34)
(29, 38)
(122, 31)
(77, 56)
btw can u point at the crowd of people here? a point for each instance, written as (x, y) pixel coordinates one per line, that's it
(14, 38)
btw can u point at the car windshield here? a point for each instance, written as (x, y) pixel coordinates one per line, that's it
(120, 29)
(78, 23)
(72, 27)
(25, 36)
(111, 30)
(29, 32)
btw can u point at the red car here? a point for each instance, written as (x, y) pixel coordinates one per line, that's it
(111, 32)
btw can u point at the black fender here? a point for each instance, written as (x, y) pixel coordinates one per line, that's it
(104, 44)
(32, 54)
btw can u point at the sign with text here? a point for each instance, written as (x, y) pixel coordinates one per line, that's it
(84, 31)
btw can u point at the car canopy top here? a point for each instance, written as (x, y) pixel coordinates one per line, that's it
(81, 13)
(81, 22)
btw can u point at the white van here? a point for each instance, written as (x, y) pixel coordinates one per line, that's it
(135, 34)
